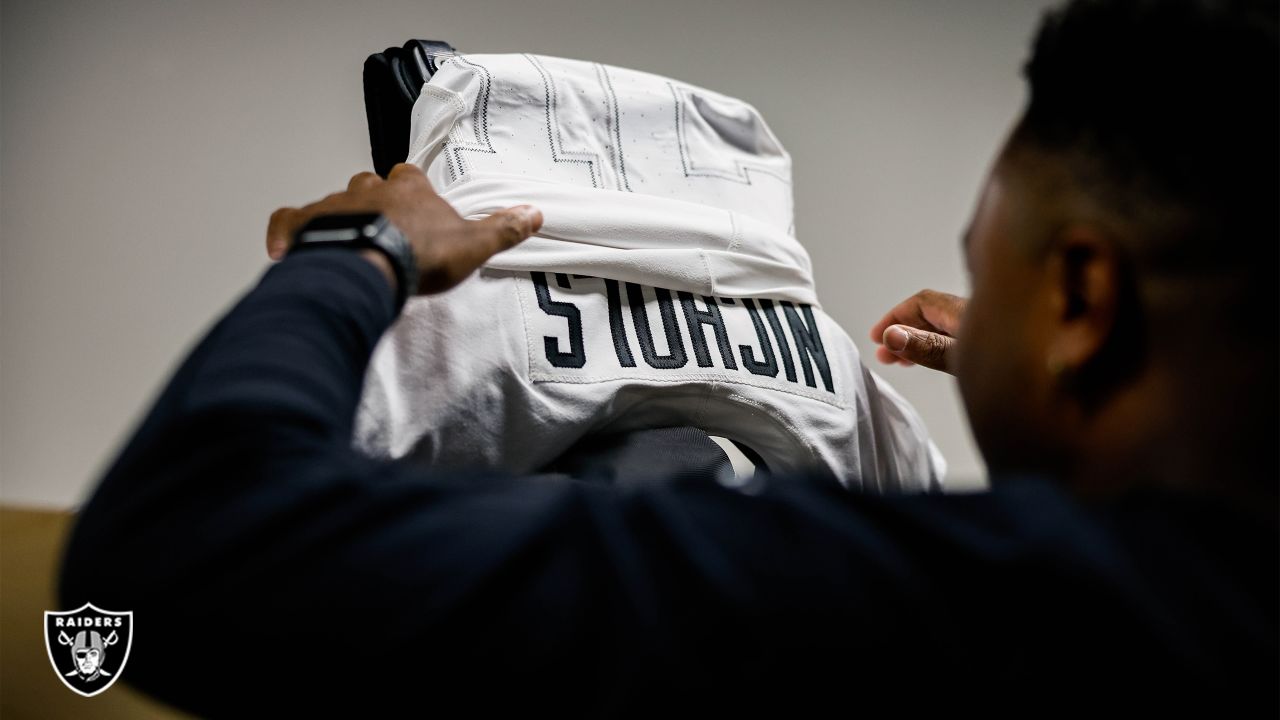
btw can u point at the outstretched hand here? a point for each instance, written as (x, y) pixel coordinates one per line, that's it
(921, 330)
(448, 248)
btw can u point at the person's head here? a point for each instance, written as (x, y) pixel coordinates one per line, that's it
(1123, 253)
(88, 651)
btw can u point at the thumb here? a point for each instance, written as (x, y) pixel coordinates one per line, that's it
(932, 350)
(506, 228)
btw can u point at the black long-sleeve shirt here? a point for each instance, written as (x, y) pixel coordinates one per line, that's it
(270, 566)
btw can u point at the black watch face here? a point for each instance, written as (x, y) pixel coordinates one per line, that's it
(342, 227)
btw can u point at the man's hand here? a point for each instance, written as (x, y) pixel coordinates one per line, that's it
(921, 330)
(448, 248)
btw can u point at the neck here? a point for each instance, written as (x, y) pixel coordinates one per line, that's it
(1213, 435)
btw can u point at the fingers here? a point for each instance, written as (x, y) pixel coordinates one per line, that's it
(285, 222)
(929, 310)
(408, 172)
(944, 311)
(492, 235)
(280, 228)
(888, 358)
(363, 181)
(930, 349)
(448, 248)
(445, 264)
(920, 330)
(505, 228)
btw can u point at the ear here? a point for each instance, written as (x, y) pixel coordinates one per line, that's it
(1084, 268)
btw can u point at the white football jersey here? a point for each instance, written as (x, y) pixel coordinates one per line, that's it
(665, 288)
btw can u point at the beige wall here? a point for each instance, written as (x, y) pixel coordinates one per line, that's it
(145, 142)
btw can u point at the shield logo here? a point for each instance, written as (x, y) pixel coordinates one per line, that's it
(88, 646)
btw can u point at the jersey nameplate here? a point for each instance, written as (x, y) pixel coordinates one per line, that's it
(584, 329)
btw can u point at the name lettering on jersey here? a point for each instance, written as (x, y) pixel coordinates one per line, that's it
(587, 329)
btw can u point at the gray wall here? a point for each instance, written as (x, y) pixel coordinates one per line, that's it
(145, 142)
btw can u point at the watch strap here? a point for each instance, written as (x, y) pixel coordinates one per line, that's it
(362, 232)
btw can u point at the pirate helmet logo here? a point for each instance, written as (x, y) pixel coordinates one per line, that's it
(88, 646)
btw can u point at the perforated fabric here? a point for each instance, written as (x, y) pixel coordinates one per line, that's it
(666, 287)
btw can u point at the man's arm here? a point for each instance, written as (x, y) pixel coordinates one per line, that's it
(250, 540)
(268, 563)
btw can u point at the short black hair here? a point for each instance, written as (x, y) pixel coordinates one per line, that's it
(1174, 102)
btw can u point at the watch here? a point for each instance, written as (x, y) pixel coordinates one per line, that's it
(360, 231)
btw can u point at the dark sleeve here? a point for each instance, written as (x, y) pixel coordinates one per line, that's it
(268, 565)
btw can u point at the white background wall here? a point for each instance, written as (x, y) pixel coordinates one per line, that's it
(143, 144)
